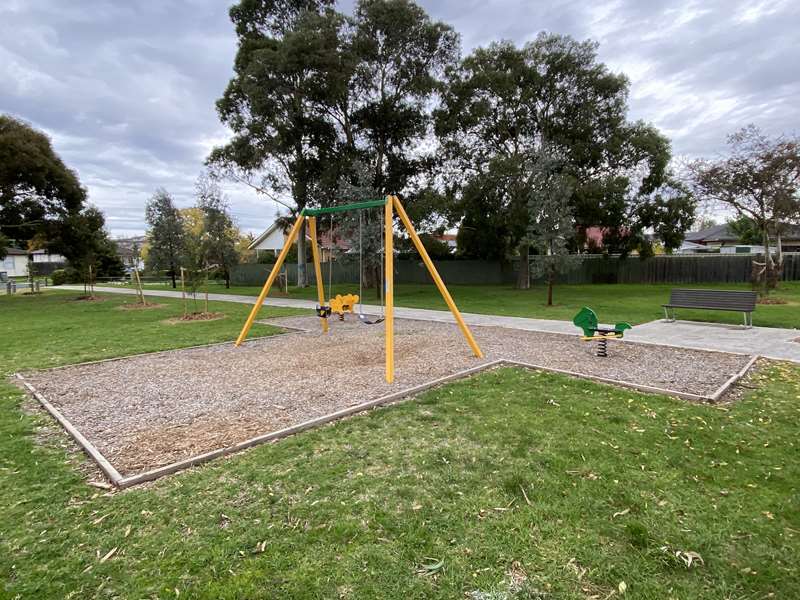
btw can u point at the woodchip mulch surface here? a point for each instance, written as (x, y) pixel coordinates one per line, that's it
(150, 410)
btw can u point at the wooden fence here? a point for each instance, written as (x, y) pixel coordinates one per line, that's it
(677, 269)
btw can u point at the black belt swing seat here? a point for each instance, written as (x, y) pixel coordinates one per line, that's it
(365, 319)
(324, 312)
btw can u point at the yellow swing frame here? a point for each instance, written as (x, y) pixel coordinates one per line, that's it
(391, 205)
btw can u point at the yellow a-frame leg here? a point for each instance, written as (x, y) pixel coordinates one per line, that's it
(270, 280)
(388, 320)
(312, 231)
(434, 275)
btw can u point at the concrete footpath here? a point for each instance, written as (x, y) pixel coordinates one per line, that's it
(770, 342)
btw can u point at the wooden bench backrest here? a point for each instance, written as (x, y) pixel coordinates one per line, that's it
(724, 299)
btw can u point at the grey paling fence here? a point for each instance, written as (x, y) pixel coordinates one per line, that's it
(662, 269)
(714, 268)
(406, 271)
(677, 269)
(256, 274)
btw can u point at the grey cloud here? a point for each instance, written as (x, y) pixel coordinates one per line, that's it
(127, 90)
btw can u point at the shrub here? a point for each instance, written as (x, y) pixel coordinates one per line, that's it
(59, 277)
(68, 275)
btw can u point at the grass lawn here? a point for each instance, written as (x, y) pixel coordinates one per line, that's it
(509, 485)
(52, 329)
(634, 303)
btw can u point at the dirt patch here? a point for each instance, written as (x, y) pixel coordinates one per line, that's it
(89, 299)
(147, 411)
(771, 301)
(197, 316)
(140, 306)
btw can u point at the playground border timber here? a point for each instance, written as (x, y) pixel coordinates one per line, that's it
(121, 482)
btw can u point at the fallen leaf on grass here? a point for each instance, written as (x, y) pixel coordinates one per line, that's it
(100, 484)
(99, 520)
(689, 558)
(622, 587)
(621, 513)
(527, 500)
(579, 570)
(109, 554)
(431, 568)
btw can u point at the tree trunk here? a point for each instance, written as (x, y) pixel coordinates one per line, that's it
(768, 266)
(524, 275)
(183, 294)
(172, 274)
(777, 268)
(551, 279)
(227, 279)
(302, 281)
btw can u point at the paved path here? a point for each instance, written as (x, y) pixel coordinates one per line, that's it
(420, 314)
(766, 341)
(771, 342)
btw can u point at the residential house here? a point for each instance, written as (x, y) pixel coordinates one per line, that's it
(273, 239)
(15, 263)
(450, 239)
(688, 247)
(721, 238)
(129, 250)
(47, 257)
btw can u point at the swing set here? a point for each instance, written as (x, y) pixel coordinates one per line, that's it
(342, 304)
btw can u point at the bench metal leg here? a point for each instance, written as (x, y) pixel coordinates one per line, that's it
(748, 320)
(667, 316)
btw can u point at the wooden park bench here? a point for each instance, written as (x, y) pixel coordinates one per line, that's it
(733, 300)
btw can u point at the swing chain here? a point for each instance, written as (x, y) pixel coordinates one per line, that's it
(361, 316)
(330, 258)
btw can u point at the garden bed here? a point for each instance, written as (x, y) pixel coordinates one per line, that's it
(148, 411)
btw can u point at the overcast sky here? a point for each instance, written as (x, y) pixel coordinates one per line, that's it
(126, 89)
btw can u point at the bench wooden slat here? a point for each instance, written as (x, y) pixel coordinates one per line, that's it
(698, 307)
(735, 300)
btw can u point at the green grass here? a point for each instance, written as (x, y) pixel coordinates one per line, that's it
(573, 487)
(634, 303)
(50, 329)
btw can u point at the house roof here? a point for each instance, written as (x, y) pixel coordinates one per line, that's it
(16, 251)
(687, 245)
(723, 233)
(266, 233)
(717, 233)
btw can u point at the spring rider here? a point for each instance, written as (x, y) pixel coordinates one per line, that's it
(592, 330)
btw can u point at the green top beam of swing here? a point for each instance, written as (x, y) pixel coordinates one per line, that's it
(315, 212)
